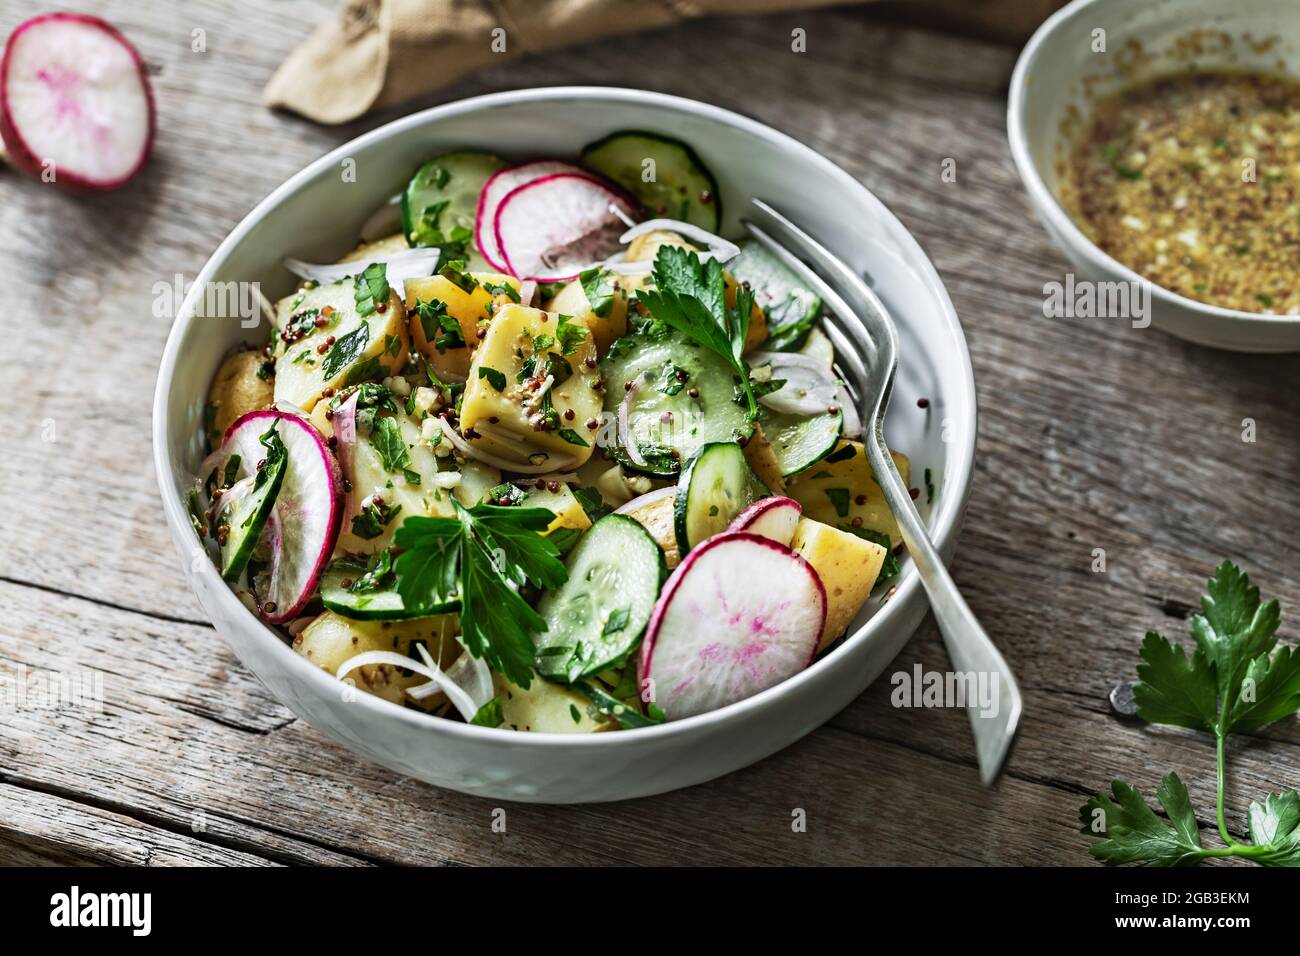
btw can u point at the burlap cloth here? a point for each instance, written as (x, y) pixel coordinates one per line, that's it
(377, 53)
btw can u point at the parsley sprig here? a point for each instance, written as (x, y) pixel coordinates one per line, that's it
(482, 557)
(690, 296)
(1237, 680)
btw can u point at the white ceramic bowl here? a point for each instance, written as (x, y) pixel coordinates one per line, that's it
(1059, 72)
(316, 216)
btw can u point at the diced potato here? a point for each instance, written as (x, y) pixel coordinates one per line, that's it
(503, 410)
(842, 488)
(367, 252)
(545, 708)
(657, 517)
(572, 300)
(761, 458)
(237, 388)
(475, 480)
(469, 309)
(567, 509)
(848, 566)
(364, 348)
(376, 492)
(332, 639)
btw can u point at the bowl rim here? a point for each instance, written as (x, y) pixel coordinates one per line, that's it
(944, 521)
(1047, 205)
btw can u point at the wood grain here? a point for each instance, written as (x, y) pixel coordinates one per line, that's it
(1093, 435)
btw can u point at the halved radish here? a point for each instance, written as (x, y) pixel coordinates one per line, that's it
(772, 518)
(75, 103)
(740, 614)
(552, 228)
(304, 524)
(497, 187)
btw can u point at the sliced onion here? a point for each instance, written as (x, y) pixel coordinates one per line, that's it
(625, 431)
(852, 420)
(469, 451)
(649, 498)
(469, 673)
(345, 431)
(403, 265)
(383, 222)
(460, 700)
(527, 289)
(231, 496)
(721, 249)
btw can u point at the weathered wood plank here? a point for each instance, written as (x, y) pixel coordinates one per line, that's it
(51, 829)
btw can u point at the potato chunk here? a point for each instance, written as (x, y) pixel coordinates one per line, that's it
(657, 518)
(612, 324)
(842, 488)
(531, 396)
(363, 348)
(848, 566)
(332, 639)
(242, 384)
(450, 347)
(380, 499)
(544, 708)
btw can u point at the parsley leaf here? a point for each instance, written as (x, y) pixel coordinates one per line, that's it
(371, 288)
(345, 351)
(569, 334)
(1236, 679)
(391, 446)
(482, 557)
(690, 296)
(1276, 824)
(439, 328)
(495, 378)
(598, 288)
(1132, 833)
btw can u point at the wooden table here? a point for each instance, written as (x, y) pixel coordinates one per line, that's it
(1093, 435)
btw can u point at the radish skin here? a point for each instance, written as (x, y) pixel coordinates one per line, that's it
(498, 186)
(739, 615)
(773, 518)
(76, 108)
(305, 520)
(525, 262)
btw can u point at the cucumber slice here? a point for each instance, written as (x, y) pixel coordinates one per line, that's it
(247, 517)
(790, 306)
(682, 186)
(378, 603)
(799, 441)
(595, 620)
(670, 417)
(441, 201)
(609, 706)
(716, 487)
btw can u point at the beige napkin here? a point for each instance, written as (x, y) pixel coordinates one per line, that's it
(377, 53)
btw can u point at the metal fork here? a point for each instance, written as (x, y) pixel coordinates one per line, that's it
(969, 648)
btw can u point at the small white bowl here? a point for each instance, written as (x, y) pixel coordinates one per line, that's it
(316, 215)
(1059, 74)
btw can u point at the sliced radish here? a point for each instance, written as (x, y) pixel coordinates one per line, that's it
(304, 523)
(740, 614)
(552, 228)
(75, 103)
(500, 185)
(772, 518)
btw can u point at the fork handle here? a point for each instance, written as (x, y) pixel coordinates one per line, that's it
(969, 648)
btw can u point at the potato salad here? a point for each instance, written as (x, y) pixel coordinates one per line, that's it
(546, 453)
